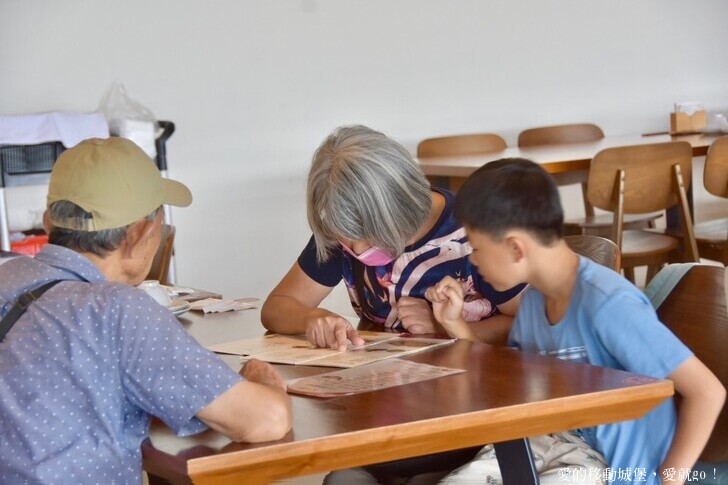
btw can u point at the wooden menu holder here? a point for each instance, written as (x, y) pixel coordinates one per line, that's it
(685, 123)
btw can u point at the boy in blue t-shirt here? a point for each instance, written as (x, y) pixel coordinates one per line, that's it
(578, 310)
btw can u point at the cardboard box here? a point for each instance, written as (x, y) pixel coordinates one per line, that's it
(684, 123)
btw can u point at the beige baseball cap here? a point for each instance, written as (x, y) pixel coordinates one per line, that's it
(114, 180)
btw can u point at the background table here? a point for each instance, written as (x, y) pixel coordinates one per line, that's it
(556, 159)
(504, 395)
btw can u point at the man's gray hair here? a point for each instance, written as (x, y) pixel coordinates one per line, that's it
(365, 186)
(99, 243)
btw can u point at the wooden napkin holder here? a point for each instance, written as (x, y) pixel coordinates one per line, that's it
(685, 123)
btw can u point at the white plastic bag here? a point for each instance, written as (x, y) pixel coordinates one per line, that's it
(129, 118)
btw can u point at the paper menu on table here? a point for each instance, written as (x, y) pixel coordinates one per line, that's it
(395, 347)
(289, 349)
(281, 349)
(217, 305)
(296, 349)
(380, 375)
(188, 294)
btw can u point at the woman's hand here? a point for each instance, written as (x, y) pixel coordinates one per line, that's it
(416, 315)
(329, 330)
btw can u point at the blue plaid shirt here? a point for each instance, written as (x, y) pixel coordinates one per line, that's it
(84, 368)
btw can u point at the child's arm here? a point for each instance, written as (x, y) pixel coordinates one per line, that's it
(447, 306)
(702, 400)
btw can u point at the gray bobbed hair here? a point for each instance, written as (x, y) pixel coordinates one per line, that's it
(364, 186)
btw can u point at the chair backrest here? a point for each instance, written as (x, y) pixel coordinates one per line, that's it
(474, 144)
(557, 134)
(648, 169)
(163, 257)
(715, 176)
(560, 134)
(695, 311)
(644, 178)
(599, 249)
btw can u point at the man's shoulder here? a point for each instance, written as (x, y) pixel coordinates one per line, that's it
(122, 294)
(23, 274)
(107, 289)
(106, 297)
(11, 268)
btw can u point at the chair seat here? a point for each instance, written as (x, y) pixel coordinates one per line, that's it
(710, 236)
(714, 231)
(605, 220)
(601, 225)
(644, 244)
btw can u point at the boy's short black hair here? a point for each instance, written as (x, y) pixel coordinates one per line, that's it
(511, 193)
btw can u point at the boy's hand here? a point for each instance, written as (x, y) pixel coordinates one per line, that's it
(329, 330)
(416, 315)
(447, 300)
(447, 305)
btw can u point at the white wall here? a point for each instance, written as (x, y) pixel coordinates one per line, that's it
(253, 86)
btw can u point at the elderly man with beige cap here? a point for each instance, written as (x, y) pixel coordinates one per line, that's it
(86, 358)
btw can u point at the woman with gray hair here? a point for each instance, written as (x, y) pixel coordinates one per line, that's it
(379, 225)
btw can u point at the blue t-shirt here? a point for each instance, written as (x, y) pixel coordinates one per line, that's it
(84, 368)
(443, 251)
(610, 323)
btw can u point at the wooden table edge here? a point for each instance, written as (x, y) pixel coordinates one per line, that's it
(411, 439)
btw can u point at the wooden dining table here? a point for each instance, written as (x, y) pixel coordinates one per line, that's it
(503, 396)
(556, 159)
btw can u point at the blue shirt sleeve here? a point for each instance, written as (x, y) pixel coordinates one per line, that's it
(165, 371)
(327, 273)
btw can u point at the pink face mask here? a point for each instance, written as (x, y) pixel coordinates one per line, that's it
(374, 256)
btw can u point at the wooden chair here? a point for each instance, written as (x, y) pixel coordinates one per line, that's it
(560, 134)
(695, 310)
(640, 179)
(579, 133)
(474, 144)
(712, 236)
(599, 249)
(160, 265)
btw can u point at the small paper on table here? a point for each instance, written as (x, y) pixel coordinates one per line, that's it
(216, 305)
(371, 377)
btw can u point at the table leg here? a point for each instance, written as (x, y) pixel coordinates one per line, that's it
(516, 462)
